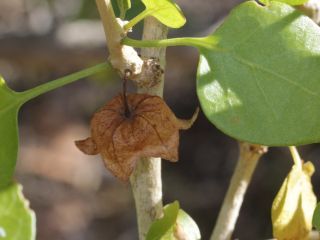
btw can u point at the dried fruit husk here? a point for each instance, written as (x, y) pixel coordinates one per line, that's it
(293, 207)
(150, 130)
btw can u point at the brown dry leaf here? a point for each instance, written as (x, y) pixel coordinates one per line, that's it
(151, 130)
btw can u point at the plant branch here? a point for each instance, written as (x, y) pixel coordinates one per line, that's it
(46, 87)
(248, 158)
(121, 57)
(209, 42)
(146, 180)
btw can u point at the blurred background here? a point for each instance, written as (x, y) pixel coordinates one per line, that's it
(74, 197)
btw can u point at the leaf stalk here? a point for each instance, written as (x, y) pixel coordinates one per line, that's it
(49, 86)
(296, 157)
(136, 20)
(209, 42)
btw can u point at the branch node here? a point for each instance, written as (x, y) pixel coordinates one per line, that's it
(151, 73)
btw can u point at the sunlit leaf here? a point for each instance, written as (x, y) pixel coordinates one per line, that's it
(166, 11)
(261, 82)
(175, 224)
(293, 207)
(290, 2)
(17, 220)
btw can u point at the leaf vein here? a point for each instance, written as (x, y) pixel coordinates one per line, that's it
(278, 75)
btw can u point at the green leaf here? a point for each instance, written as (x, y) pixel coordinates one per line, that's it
(175, 224)
(160, 227)
(166, 11)
(10, 103)
(17, 220)
(9, 106)
(124, 6)
(290, 2)
(261, 83)
(316, 217)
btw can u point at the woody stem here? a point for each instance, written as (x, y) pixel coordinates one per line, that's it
(146, 180)
(249, 156)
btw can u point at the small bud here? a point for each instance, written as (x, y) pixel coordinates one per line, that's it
(293, 207)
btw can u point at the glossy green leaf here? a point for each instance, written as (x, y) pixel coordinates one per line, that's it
(290, 2)
(174, 225)
(17, 220)
(262, 82)
(316, 217)
(10, 102)
(124, 6)
(166, 11)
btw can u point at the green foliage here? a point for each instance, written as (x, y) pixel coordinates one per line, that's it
(261, 83)
(160, 227)
(166, 11)
(9, 106)
(17, 220)
(290, 2)
(10, 103)
(175, 224)
(124, 6)
(316, 217)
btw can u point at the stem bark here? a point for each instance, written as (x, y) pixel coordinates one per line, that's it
(121, 57)
(248, 158)
(146, 180)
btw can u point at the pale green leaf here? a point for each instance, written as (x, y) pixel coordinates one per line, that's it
(160, 227)
(174, 225)
(187, 227)
(290, 2)
(17, 220)
(261, 81)
(166, 11)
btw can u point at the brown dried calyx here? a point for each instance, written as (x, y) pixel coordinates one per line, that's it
(132, 127)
